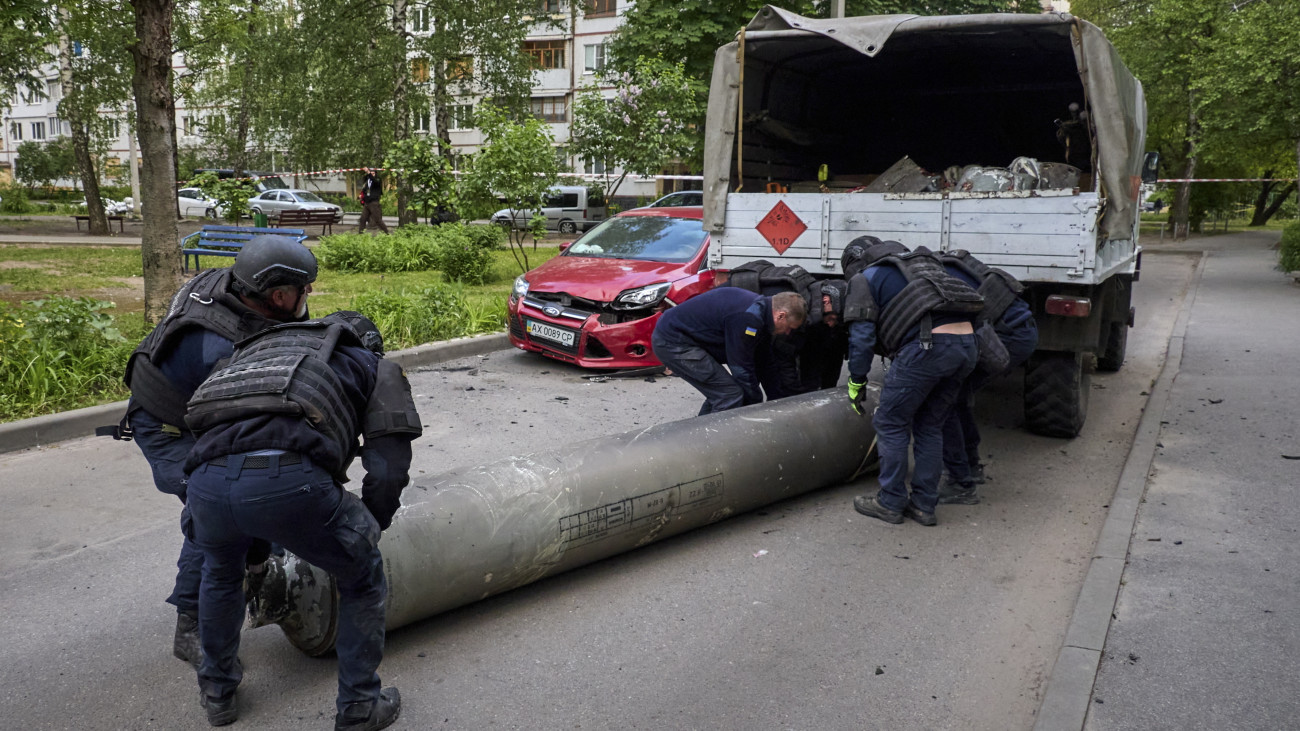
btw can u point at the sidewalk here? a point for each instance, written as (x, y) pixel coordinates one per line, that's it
(1205, 633)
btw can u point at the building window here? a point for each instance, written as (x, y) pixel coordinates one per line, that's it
(593, 167)
(600, 8)
(422, 122)
(461, 116)
(420, 19)
(420, 70)
(56, 127)
(113, 127)
(550, 109)
(15, 131)
(595, 62)
(546, 54)
(189, 126)
(38, 130)
(53, 90)
(562, 157)
(460, 68)
(76, 49)
(550, 6)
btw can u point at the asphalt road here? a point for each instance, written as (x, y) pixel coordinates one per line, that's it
(844, 622)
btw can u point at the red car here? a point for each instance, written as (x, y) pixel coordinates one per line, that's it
(597, 303)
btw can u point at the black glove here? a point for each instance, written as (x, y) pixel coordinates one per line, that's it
(382, 509)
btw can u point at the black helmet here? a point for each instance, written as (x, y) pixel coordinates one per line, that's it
(864, 251)
(364, 328)
(271, 261)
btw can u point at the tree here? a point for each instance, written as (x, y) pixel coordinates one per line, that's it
(25, 31)
(517, 164)
(642, 128)
(425, 174)
(42, 163)
(151, 51)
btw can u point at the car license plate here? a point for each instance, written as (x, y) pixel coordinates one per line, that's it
(550, 332)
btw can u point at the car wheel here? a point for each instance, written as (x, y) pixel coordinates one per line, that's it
(210, 213)
(568, 227)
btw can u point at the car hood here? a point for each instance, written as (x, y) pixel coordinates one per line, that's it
(601, 280)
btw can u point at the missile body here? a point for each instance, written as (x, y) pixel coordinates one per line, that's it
(471, 533)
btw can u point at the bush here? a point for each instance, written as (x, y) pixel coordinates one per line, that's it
(15, 200)
(1289, 256)
(435, 313)
(461, 254)
(57, 353)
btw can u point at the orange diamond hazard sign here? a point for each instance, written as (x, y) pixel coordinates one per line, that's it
(781, 227)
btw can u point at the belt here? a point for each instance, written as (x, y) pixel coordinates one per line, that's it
(261, 461)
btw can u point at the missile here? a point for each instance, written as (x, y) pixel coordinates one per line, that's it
(470, 533)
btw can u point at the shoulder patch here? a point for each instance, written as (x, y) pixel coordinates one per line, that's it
(751, 331)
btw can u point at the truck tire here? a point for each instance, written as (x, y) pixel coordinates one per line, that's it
(1056, 394)
(1112, 357)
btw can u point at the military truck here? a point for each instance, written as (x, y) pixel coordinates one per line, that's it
(1018, 138)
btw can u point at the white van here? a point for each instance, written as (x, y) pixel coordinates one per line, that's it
(568, 209)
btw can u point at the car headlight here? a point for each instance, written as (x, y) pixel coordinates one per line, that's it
(642, 296)
(521, 286)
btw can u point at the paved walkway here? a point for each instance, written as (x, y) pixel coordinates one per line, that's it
(1206, 630)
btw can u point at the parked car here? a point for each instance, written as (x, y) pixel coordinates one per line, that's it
(680, 198)
(568, 209)
(596, 304)
(273, 202)
(193, 202)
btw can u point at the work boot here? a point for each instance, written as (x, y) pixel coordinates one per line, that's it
(920, 516)
(221, 711)
(977, 473)
(955, 493)
(377, 714)
(186, 643)
(870, 506)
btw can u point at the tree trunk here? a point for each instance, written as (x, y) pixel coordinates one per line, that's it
(239, 155)
(72, 111)
(1181, 213)
(401, 109)
(152, 52)
(1273, 207)
(1258, 218)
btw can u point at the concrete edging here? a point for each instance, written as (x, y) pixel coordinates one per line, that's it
(1069, 688)
(42, 430)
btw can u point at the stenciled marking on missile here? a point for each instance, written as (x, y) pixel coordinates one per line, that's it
(641, 511)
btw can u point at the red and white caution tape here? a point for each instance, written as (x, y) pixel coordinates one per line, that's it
(1225, 180)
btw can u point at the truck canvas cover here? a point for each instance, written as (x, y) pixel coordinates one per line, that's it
(861, 93)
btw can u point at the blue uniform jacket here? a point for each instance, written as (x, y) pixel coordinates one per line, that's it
(734, 326)
(886, 281)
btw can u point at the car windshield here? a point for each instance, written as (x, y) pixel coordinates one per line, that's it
(644, 238)
(307, 196)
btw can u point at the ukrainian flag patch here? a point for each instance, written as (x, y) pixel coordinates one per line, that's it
(751, 331)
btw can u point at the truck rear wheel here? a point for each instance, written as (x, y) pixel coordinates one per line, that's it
(1112, 357)
(1056, 393)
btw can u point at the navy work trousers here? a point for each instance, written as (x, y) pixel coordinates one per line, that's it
(961, 436)
(920, 389)
(166, 456)
(301, 508)
(698, 368)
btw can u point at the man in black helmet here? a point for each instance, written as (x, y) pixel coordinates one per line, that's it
(267, 284)
(277, 427)
(905, 306)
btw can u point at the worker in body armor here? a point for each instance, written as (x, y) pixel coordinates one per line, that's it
(731, 326)
(905, 306)
(278, 426)
(1013, 322)
(267, 284)
(810, 357)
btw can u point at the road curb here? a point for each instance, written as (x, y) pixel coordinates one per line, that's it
(1069, 689)
(45, 430)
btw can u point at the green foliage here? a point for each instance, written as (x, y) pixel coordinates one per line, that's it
(643, 127)
(231, 195)
(13, 199)
(41, 163)
(57, 353)
(463, 253)
(428, 175)
(1289, 257)
(518, 164)
(408, 318)
(488, 238)
(25, 26)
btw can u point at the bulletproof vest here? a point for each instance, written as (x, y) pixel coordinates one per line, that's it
(763, 277)
(391, 409)
(283, 370)
(998, 288)
(929, 289)
(205, 301)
